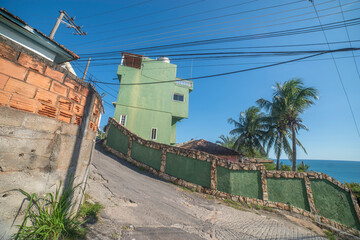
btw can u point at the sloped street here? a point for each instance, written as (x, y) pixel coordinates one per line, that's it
(141, 206)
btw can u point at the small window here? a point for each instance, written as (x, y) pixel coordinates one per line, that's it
(123, 120)
(178, 97)
(153, 133)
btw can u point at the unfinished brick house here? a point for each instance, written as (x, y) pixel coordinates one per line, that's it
(48, 116)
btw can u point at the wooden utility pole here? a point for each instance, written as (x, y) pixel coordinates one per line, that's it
(87, 66)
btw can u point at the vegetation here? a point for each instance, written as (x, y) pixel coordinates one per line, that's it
(51, 217)
(250, 131)
(89, 210)
(226, 141)
(303, 167)
(290, 99)
(355, 188)
(284, 167)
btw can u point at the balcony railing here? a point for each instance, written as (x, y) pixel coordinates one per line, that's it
(184, 83)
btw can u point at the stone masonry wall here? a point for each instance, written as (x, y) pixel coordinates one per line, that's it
(48, 124)
(215, 161)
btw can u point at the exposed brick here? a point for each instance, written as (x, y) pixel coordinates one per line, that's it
(59, 76)
(47, 110)
(59, 88)
(74, 96)
(32, 63)
(78, 109)
(23, 103)
(78, 120)
(46, 96)
(11, 69)
(22, 88)
(3, 80)
(4, 97)
(65, 116)
(83, 101)
(84, 91)
(7, 52)
(39, 80)
(65, 103)
(72, 84)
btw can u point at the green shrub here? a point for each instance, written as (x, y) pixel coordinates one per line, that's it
(270, 166)
(355, 188)
(303, 168)
(284, 167)
(90, 210)
(51, 217)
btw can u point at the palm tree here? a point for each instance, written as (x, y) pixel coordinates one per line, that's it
(290, 99)
(226, 141)
(249, 132)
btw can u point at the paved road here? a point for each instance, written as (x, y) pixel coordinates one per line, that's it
(142, 206)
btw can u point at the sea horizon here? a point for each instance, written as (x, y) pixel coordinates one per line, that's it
(341, 170)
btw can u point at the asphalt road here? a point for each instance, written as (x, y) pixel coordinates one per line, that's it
(140, 206)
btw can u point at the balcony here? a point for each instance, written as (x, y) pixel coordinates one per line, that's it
(185, 83)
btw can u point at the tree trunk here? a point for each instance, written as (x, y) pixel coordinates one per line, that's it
(293, 148)
(277, 161)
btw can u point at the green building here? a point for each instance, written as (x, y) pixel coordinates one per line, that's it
(151, 110)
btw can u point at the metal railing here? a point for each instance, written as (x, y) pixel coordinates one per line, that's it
(184, 83)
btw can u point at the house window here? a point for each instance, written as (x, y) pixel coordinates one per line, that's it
(178, 97)
(123, 120)
(153, 133)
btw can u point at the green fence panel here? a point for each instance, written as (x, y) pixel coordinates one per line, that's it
(239, 182)
(188, 169)
(288, 190)
(117, 140)
(334, 203)
(146, 155)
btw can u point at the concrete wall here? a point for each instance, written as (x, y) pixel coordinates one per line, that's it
(244, 182)
(48, 124)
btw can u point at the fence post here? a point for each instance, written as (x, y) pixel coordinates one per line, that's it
(265, 196)
(213, 174)
(309, 194)
(163, 160)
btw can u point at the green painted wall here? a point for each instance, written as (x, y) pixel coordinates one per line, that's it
(151, 106)
(242, 183)
(188, 169)
(334, 203)
(117, 140)
(146, 155)
(291, 190)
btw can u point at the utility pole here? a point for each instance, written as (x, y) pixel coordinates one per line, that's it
(69, 22)
(87, 66)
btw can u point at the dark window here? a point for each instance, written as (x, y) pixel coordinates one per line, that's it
(178, 97)
(153, 133)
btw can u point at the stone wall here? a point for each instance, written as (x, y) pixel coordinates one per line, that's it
(48, 124)
(217, 162)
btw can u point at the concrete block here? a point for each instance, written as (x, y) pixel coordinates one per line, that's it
(39, 123)
(11, 117)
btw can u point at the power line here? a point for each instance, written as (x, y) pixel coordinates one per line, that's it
(289, 32)
(238, 71)
(337, 70)
(116, 10)
(148, 14)
(348, 37)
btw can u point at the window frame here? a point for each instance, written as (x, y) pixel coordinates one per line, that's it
(179, 94)
(151, 133)
(123, 115)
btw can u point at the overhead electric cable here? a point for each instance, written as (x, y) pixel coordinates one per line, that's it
(238, 71)
(219, 29)
(148, 14)
(348, 37)
(337, 70)
(289, 32)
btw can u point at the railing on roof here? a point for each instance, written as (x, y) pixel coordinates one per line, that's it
(184, 83)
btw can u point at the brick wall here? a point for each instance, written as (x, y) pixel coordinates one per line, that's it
(33, 84)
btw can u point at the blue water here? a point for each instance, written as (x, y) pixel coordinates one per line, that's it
(344, 171)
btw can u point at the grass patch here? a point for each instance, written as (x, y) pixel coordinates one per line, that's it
(51, 216)
(233, 204)
(330, 235)
(269, 209)
(258, 207)
(89, 210)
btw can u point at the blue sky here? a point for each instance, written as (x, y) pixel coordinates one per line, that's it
(124, 25)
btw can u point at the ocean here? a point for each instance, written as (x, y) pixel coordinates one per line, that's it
(343, 171)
